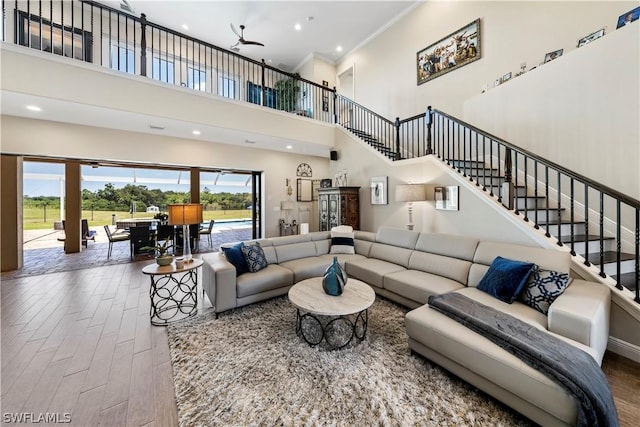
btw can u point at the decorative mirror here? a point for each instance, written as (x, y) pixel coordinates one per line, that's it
(304, 170)
(305, 190)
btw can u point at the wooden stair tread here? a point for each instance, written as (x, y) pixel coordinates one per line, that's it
(561, 222)
(581, 238)
(609, 256)
(628, 280)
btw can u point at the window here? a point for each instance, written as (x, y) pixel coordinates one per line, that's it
(226, 87)
(162, 70)
(196, 79)
(123, 59)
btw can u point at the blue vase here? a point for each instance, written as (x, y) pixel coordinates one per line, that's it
(334, 279)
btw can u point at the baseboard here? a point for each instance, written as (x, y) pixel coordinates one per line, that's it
(623, 348)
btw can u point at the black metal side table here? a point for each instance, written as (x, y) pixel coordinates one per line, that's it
(173, 291)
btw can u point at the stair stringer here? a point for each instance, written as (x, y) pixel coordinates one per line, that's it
(623, 299)
(364, 143)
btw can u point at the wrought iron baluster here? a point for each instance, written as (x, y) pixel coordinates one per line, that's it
(601, 239)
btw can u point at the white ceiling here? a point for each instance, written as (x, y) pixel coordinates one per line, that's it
(325, 25)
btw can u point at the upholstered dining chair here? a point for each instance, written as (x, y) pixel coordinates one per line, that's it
(140, 237)
(113, 238)
(207, 230)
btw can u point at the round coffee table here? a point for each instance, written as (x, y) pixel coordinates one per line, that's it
(336, 319)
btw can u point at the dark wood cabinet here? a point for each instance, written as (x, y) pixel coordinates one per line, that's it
(339, 206)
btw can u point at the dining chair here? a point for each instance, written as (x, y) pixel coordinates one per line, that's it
(113, 238)
(207, 231)
(140, 237)
(87, 234)
(165, 232)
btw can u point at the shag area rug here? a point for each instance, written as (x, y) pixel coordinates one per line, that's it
(249, 368)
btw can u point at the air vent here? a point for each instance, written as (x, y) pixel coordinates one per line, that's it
(155, 127)
(126, 6)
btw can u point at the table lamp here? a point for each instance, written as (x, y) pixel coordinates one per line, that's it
(410, 193)
(185, 214)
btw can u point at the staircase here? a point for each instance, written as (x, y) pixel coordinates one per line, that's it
(373, 142)
(545, 215)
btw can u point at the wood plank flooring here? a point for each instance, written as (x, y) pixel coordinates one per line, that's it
(80, 343)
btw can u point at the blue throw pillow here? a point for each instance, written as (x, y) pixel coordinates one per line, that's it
(543, 287)
(506, 278)
(254, 257)
(235, 256)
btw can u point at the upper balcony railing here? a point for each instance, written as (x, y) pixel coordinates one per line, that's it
(95, 33)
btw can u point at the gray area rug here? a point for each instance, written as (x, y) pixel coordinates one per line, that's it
(250, 368)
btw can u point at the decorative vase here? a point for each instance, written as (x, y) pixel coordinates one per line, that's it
(334, 279)
(164, 259)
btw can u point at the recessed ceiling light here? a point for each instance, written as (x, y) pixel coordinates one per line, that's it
(289, 147)
(196, 132)
(33, 108)
(298, 27)
(310, 18)
(339, 48)
(185, 27)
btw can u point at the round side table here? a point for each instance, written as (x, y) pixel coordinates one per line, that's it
(173, 291)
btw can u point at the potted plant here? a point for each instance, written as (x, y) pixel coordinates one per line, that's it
(162, 256)
(287, 93)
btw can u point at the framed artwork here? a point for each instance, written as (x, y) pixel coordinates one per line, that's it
(315, 185)
(459, 48)
(446, 198)
(379, 190)
(591, 37)
(325, 183)
(553, 55)
(628, 18)
(506, 77)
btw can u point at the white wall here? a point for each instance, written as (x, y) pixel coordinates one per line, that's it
(511, 33)
(580, 110)
(42, 138)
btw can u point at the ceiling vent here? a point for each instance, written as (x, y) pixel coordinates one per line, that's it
(155, 127)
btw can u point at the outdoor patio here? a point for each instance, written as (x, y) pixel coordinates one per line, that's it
(44, 252)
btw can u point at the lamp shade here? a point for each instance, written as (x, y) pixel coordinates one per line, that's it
(410, 193)
(185, 214)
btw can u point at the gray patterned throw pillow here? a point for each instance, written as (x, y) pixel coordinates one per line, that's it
(254, 256)
(543, 287)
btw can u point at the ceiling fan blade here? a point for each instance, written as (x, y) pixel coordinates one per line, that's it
(235, 45)
(235, 31)
(252, 42)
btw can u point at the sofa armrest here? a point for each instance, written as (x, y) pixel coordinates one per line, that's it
(581, 313)
(219, 281)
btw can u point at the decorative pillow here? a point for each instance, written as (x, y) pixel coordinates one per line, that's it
(506, 278)
(254, 257)
(235, 256)
(342, 240)
(543, 287)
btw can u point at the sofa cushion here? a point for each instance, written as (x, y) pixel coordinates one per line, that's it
(452, 268)
(545, 258)
(304, 268)
(543, 287)
(397, 237)
(389, 253)
(271, 277)
(235, 256)
(254, 257)
(461, 247)
(371, 270)
(342, 240)
(294, 251)
(506, 278)
(418, 285)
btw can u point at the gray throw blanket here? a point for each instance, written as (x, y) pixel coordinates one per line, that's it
(564, 363)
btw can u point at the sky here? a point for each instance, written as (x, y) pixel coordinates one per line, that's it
(45, 179)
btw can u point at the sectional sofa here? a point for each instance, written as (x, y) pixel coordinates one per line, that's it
(408, 267)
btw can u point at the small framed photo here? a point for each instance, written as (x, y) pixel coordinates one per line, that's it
(591, 37)
(379, 190)
(325, 83)
(497, 82)
(506, 77)
(553, 55)
(446, 198)
(628, 18)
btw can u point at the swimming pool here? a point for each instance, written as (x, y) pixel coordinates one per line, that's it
(230, 223)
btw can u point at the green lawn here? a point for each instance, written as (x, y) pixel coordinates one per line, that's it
(34, 217)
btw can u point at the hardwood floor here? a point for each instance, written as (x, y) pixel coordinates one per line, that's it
(79, 344)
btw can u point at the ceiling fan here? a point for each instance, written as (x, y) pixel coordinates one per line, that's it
(241, 39)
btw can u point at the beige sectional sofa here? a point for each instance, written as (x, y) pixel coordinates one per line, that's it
(408, 267)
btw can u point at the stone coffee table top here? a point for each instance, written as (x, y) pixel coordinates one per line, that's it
(309, 296)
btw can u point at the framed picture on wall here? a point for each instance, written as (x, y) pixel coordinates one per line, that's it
(458, 49)
(379, 190)
(628, 18)
(591, 37)
(553, 55)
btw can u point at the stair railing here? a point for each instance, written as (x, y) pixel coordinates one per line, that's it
(553, 197)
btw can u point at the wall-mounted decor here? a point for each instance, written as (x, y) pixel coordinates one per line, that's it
(591, 37)
(506, 77)
(379, 190)
(629, 17)
(305, 190)
(553, 55)
(446, 198)
(315, 184)
(450, 53)
(325, 183)
(304, 170)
